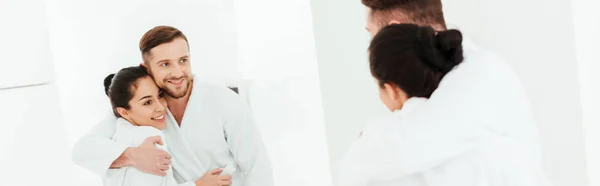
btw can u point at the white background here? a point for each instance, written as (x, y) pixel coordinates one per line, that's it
(24, 39)
(309, 57)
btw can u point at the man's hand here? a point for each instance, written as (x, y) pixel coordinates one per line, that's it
(212, 178)
(147, 158)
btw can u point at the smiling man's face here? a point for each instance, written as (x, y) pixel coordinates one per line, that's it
(169, 64)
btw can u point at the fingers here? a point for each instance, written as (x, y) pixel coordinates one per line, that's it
(216, 171)
(167, 162)
(150, 141)
(222, 182)
(164, 155)
(163, 167)
(156, 140)
(159, 173)
(162, 163)
(225, 178)
(168, 156)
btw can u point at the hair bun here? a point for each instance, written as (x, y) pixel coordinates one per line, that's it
(450, 45)
(384, 4)
(107, 82)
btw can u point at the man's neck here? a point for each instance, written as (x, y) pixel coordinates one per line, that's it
(438, 28)
(177, 105)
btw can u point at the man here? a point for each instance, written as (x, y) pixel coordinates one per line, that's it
(479, 110)
(210, 128)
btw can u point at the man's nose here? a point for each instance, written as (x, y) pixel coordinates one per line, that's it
(177, 71)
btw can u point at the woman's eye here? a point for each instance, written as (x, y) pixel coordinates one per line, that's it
(148, 102)
(161, 95)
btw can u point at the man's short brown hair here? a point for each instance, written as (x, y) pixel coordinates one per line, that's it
(421, 12)
(157, 36)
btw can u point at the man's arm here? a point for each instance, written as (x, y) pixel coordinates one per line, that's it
(97, 152)
(245, 142)
(123, 160)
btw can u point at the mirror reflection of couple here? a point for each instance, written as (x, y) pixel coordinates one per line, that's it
(459, 115)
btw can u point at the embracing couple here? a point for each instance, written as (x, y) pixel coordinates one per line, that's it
(167, 129)
(459, 115)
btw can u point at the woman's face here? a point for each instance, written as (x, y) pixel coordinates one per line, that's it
(148, 106)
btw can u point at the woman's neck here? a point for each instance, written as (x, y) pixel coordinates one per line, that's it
(131, 121)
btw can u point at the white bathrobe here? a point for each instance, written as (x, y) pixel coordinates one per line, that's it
(217, 129)
(134, 136)
(476, 129)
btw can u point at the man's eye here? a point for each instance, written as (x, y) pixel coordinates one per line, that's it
(161, 95)
(164, 64)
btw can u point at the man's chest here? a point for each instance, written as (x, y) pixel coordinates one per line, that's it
(205, 137)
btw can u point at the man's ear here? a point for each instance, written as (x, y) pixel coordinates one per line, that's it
(142, 64)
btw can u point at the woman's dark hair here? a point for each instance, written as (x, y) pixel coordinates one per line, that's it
(414, 58)
(120, 87)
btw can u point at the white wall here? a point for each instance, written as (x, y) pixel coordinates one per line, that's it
(348, 91)
(586, 19)
(536, 37)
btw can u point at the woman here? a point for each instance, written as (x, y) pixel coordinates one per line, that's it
(408, 62)
(139, 105)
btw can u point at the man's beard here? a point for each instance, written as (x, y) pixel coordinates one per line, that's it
(173, 93)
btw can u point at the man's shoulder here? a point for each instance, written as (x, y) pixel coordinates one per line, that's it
(479, 65)
(478, 57)
(206, 89)
(214, 95)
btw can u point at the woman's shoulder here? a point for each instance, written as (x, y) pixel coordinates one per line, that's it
(130, 131)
